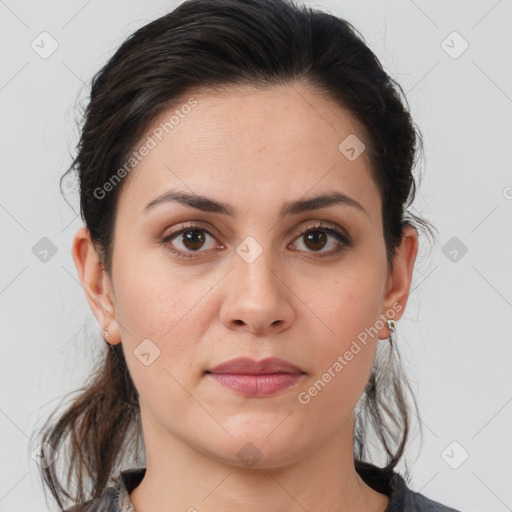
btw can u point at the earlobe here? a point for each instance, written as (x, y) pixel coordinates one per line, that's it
(95, 283)
(399, 283)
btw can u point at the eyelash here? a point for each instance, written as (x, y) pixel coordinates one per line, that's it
(345, 242)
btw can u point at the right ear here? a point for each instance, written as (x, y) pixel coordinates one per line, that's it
(96, 284)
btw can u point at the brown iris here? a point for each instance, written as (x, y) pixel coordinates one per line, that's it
(194, 237)
(316, 237)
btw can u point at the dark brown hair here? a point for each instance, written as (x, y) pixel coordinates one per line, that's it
(199, 45)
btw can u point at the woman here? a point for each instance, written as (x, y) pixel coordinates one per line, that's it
(245, 170)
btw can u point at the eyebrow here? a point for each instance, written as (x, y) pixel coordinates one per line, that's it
(206, 204)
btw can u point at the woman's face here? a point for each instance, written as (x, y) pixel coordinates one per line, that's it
(249, 280)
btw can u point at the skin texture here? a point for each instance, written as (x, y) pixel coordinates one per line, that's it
(255, 149)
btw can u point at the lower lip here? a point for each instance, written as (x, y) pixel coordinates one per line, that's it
(257, 385)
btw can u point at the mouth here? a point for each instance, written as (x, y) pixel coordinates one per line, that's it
(247, 366)
(256, 378)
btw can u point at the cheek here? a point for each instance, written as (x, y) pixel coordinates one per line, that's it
(346, 331)
(342, 359)
(162, 319)
(154, 299)
(345, 308)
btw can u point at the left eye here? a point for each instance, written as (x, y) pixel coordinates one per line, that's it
(318, 235)
(193, 238)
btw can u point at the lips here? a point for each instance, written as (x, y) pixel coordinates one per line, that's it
(256, 378)
(247, 366)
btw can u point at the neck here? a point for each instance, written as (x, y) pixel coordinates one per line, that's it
(179, 477)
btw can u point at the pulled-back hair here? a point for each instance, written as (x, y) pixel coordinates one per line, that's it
(200, 45)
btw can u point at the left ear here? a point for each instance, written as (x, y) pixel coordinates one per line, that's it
(399, 281)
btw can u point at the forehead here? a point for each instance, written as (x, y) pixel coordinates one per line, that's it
(249, 147)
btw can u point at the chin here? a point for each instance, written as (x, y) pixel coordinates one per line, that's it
(258, 451)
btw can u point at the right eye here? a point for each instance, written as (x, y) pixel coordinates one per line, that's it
(191, 237)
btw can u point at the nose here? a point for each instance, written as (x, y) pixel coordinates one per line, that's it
(257, 298)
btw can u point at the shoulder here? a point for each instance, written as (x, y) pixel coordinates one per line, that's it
(114, 498)
(405, 499)
(393, 485)
(420, 503)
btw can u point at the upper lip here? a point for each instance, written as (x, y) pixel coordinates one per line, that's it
(245, 365)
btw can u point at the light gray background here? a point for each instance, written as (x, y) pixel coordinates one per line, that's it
(455, 337)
